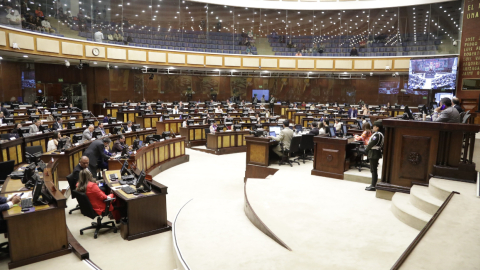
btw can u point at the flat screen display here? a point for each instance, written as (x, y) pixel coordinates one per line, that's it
(433, 73)
(260, 93)
(389, 87)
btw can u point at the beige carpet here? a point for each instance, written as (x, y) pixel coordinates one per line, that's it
(329, 224)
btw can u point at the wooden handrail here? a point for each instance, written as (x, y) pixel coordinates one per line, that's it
(422, 233)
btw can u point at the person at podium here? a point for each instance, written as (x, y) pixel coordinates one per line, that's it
(285, 137)
(374, 152)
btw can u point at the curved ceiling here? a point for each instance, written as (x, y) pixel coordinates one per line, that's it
(320, 4)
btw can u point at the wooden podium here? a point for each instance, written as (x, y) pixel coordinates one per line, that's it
(330, 156)
(415, 151)
(258, 157)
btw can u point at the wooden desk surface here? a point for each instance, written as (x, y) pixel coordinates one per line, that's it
(120, 192)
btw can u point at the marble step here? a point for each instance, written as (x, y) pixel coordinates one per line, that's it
(421, 198)
(406, 212)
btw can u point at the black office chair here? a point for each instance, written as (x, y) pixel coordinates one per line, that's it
(465, 118)
(73, 186)
(360, 152)
(34, 149)
(207, 130)
(87, 210)
(6, 168)
(306, 144)
(287, 153)
(462, 115)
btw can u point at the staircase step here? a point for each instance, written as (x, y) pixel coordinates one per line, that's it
(441, 188)
(421, 198)
(403, 209)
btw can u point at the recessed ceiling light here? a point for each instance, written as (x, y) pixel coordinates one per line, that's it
(26, 56)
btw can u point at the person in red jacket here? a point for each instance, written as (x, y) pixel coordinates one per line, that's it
(89, 186)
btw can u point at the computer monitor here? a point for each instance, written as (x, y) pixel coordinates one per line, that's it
(360, 124)
(61, 143)
(263, 114)
(229, 119)
(229, 110)
(166, 116)
(408, 112)
(244, 114)
(184, 116)
(124, 170)
(143, 103)
(76, 138)
(298, 128)
(34, 117)
(89, 122)
(224, 115)
(211, 111)
(220, 128)
(31, 111)
(190, 122)
(24, 131)
(211, 121)
(257, 126)
(397, 106)
(117, 130)
(56, 115)
(142, 184)
(136, 144)
(166, 135)
(86, 115)
(112, 120)
(150, 139)
(275, 129)
(272, 133)
(331, 131)
(97, 134)
(28, 172)
(272, 120)
(203, 115)
(237, 127)
(37, 190)
(135, 127)
(8, 120)
(108, 104)
(15, 106)
(344, 130)
(124, 108)
(157, 137)
(44, 128)
(70, 125)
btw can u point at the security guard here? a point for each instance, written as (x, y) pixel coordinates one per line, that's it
(374, 152)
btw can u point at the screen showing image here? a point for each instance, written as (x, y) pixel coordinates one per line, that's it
(389, 87)
(260, 93)
(434, 73)
(275, 129)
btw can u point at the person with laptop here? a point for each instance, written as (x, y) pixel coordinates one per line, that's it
(285, 137)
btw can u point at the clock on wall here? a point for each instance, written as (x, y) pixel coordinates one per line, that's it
(95, 51)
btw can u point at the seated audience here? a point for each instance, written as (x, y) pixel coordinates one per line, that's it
(367, 133)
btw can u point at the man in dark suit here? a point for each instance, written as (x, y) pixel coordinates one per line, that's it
(314, 130)
(106, 118)
(352, 113)
(96, 152)
(456, 103)
(137, 108)
(83, 165)
(119, 144)
(5, 111)
(58, 125)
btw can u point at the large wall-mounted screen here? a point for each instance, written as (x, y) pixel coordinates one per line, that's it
(433, 73)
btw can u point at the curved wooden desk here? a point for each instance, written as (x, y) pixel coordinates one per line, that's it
(147, 213)
(38, 234)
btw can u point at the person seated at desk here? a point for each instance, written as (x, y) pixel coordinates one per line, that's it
(175, 110)
(312, 106)
(34, 126)
(213, 127)
(323, 129)
(457, 106)
(340, 110)
(180, 106)
(119, 145)
(337, 125)
(365, 110)
(367, 133)
(16, 128)
(149, 109)
(70, 108)
(314, 131)
(218, 109)
(101, 129)
(352, 113)
(88, 185)
(58, 125)
(304, 104)
(5, 111)
(53, 143)
(129, 126)
(262, 107)
(88, 133)
(106, 118)
(257, 118)
(285, 137)
(137, 108)
(448, 115)
(4, 206)
(184, 123)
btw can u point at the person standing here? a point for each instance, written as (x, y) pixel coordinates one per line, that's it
(98, 36)
(374, 152)
(272, 104)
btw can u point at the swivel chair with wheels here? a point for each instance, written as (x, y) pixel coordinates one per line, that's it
(306, 144)
(360, 152)
(73, 186)
(87, 210)
(287, 153)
